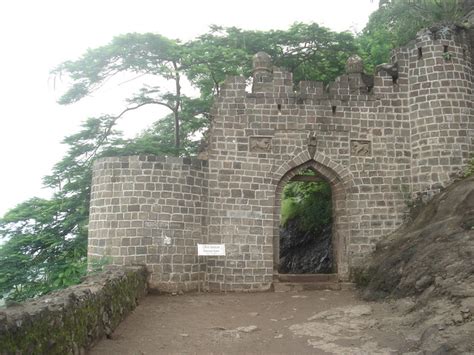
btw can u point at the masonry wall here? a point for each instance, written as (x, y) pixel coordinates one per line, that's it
(150, 211)
(258, 138)
(378, 140)
(440, 103)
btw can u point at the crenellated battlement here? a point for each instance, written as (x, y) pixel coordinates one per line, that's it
(436, 49)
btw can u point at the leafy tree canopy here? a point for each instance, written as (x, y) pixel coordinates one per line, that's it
(396, 22)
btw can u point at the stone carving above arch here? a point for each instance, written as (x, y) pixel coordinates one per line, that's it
(361, 148)
(260, 144)
(312, 143)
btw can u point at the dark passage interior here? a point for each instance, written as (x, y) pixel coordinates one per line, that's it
(305, 226)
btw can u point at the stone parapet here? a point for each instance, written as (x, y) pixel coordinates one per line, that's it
(72, 320)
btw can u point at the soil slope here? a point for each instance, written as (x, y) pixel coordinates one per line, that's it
(428, 265)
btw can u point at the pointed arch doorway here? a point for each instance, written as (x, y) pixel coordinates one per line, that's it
(337, 269)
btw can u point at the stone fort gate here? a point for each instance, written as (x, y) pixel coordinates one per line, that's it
(377, 140)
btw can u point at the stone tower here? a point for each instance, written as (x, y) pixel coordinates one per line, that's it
(262, 71)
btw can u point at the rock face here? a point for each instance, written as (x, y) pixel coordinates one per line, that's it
(305, 252)
(430, 262)
(434, 252)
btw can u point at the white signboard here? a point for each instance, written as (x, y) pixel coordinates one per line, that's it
(211, 249)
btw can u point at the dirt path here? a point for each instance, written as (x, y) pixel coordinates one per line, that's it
(312, 322)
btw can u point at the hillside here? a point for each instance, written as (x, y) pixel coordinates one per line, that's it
(427, 269)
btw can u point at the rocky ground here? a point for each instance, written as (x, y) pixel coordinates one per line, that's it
(307, 322)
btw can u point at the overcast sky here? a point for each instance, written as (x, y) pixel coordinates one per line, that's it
(37, 35)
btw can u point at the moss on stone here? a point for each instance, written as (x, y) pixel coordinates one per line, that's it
(73, 319)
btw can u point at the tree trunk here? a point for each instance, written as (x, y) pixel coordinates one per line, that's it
(176, 109)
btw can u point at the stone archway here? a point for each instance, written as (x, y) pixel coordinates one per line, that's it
(338, 178)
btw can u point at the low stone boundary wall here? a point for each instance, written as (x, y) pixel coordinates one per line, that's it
(70, 321)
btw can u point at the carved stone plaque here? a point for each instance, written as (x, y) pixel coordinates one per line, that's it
(360, 148)
(261, 144)
(312, 143)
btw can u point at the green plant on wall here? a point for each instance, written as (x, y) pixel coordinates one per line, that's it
(447, 56)
(407, 197)
(469, 170)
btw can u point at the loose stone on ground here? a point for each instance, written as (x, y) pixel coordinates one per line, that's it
(314, 322)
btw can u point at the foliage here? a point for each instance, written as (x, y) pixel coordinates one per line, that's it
(469, 170)
(307, 202)
(309, 51)
(396, 22)
(41, 252)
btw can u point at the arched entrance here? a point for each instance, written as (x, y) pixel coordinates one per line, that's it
(305, 225)
(340, 230)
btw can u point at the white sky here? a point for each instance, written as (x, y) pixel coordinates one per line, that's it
(36, 36)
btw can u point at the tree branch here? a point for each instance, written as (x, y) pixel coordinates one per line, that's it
(108, 128)
(176, 107)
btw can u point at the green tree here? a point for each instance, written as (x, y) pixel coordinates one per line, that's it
(143, 54)
(309, 51)
(396, 22)
(41, 252)
(46, 239)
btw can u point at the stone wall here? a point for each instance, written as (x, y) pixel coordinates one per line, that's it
(378, 140)
(358, 141)
(440, 104)
(150, 210)
(70, 321)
